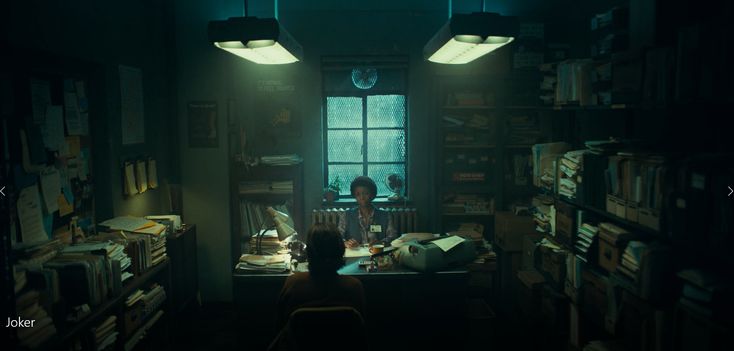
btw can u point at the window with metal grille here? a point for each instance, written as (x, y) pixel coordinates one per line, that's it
(365, 120)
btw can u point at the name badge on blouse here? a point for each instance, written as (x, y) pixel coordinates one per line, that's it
(375, 228)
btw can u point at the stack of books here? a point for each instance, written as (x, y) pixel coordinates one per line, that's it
(282, 187)
(542, 213)
(523, 129)
(468, 204)
(569, 172)
(36, 254)
(548, 85)
(585, 240)
(105, 334)
(254, 187)
(158, 250)
(153, 299)
(544, 159)
(29, 307)
(269, 243)
(631, 259)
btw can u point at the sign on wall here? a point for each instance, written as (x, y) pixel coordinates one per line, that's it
(203, 131)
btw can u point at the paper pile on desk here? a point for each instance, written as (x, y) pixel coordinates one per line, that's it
(263, 263)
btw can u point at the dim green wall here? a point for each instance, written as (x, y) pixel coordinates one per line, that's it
(108, 34)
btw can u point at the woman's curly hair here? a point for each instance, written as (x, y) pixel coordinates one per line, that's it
(366, 182)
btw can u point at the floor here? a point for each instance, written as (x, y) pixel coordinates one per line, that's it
(214, 327)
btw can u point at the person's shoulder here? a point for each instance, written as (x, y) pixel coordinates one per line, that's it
(350, 281)
(298, 277)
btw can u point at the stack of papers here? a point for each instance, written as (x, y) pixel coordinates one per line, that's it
(135, 225)
(281, 160)
(264, 263)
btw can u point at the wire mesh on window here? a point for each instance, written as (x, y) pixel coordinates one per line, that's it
(386, 145)
(379, 173)
(346, 174)
(344, 145)
(343, 112)
(386, 111)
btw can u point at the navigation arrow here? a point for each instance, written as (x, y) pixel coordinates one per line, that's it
(730, 190)
(1, 191)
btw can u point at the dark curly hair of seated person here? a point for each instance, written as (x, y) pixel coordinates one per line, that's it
(364, 181)
(325, 250)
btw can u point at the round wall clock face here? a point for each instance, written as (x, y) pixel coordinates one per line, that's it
(364, 78)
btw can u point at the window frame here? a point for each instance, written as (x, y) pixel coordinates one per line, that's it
(326, 93)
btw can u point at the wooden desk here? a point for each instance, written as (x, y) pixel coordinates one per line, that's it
(399, 302)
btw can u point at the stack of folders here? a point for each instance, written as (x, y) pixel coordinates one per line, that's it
(281, 160)
(544, 157)
(631, 259)
(29, 307)
(263, 263)
(569, 172)
(116, 244)
(542, 213)
(139, 248)
(134, 297)
(153, 299)
(105, 334)
(158, 250)
(85, 277)
(585, 240)
(254, 187)
(37, 253)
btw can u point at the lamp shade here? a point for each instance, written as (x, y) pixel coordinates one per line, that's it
(466, 37)
(281, 219)
(260, 40)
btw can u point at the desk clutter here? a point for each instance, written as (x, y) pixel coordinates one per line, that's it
(71, 289)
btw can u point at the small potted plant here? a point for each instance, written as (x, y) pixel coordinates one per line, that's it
(331, 193)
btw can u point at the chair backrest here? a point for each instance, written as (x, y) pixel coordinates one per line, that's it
(327, 328)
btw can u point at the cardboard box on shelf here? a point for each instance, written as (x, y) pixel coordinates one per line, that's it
(510, 229)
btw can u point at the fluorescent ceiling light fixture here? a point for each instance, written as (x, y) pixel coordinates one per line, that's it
(467, 37)
(260, 40)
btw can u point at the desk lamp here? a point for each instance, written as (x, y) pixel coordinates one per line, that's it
(280, 221)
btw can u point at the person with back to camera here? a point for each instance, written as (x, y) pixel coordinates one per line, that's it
(321, 286)
(365, 224)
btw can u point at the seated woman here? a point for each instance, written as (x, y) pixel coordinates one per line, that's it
(321, 286)
(365, 224)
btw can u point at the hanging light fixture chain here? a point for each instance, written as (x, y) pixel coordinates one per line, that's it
(245, 8)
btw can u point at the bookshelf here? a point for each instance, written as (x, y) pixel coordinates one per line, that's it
(262, 195)
(483, 149)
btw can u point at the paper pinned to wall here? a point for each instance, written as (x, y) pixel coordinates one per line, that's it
(141, 176)
(152, 174)
(29, 215)
(131, 105)
(129, 186)
(40, 98)
(51, 188)
(71, 110)
(52, 130)
(65, 208)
